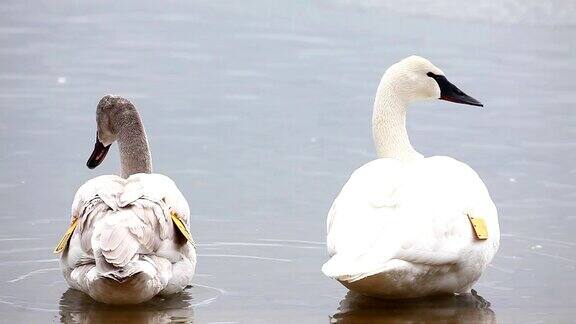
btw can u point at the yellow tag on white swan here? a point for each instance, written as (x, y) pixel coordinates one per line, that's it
(66, 237)
(479, 226)
(181, 226)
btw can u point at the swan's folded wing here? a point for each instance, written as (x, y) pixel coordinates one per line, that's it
(389, 245)
(92, 201)
(87, 208)
(362, 216)
(162, 190)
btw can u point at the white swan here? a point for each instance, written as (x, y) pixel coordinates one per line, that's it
(129, 238)
(406, 226)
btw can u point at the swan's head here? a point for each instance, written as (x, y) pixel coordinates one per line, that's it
(415, 78)
(108, 114)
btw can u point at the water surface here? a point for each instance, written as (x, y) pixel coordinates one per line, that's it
(260, 112)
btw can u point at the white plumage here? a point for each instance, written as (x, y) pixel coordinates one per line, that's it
(400, 228)
(125, 231)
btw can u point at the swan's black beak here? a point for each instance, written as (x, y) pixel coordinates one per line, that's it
(450, 92)
(98, 154)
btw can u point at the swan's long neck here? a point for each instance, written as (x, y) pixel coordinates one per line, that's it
(389, 123)
(133, 144)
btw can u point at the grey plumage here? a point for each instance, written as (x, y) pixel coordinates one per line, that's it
(118, 120)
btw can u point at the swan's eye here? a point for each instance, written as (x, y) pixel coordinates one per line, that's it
(430, 74)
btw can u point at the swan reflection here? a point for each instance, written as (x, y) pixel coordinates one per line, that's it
(76, 307)
(465, 308)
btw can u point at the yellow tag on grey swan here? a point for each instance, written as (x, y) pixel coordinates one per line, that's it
(479, 226)
(181, 227)
(66, 237)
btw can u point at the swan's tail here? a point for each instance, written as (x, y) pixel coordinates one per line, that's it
(344, 269)
(124, 243)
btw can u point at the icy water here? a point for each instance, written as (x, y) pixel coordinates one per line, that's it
(260, 112)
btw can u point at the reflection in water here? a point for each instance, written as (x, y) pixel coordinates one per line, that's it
(76, 307)
(467, 308)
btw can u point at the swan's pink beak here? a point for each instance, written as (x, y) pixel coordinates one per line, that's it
(98, 154)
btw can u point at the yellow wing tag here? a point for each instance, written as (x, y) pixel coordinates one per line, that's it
(66, 237)
(479, 226)
(181, 226)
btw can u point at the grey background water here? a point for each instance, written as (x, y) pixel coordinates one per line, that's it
(260, 111)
